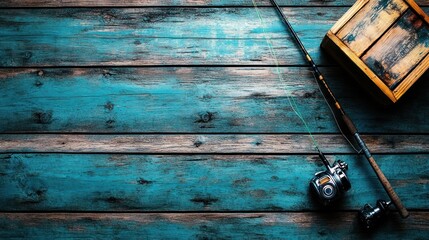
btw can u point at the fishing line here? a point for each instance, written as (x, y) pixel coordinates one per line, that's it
(325, 184)
(359, 151)
(292, 101)
(328, 185)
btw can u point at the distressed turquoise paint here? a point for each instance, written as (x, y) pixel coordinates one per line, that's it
(174, 100)
(149, 36)
(146, 101)
(112, 100)
(178, 3)
(206, 143)
(46, 182)
(206, 226)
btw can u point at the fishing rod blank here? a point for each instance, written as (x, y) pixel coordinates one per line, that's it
(326, 91)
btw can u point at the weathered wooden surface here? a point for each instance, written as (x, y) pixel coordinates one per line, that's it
(370, 23)
(409, 32)
(191, 99)
(217, 143)
(155, 36)
(383, 44)
(46, 182)
(179, 3)
(141, 123)
(206, 226)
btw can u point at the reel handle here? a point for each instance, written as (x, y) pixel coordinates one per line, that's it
(370, 217)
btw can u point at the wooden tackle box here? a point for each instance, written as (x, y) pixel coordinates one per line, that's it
(383, 44)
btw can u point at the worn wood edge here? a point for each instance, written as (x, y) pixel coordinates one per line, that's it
(203, 143)
(348, 15)
(170, 3)
(422, 67)
(362, 66)
(167, 3)
(331, 225)
(412, 77)
(357, 62)
(353, 71)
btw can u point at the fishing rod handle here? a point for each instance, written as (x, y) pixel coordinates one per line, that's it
(389, 189)
(383, 180)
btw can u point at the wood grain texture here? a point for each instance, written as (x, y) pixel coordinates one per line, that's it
(157, 36)
(369, 23)
(380, 43)
(179, 3)
(357, 69)
(409, 36)
(102, 182)
(206, 226)
(218, 143)
(191, 100)
(197, 171)
(348, 15)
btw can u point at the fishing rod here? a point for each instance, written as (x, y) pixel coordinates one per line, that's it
(339, 113)
(330, 184)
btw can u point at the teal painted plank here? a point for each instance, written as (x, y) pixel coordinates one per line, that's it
(197, 100)
(64, 182)
(158, 36)
(203, 143)
(138, 3)
(206, 226)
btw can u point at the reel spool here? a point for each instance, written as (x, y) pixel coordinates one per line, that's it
(331, 184)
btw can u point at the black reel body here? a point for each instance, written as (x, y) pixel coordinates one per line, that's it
(370, 216)
(331, 184)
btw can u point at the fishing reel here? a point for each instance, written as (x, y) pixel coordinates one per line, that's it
(332, 183)
(370, 216)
